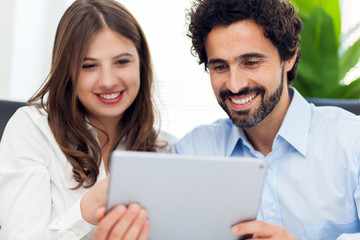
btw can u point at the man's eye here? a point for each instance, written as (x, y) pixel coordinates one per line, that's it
(251, 63)
(220, 68)
(88, 66)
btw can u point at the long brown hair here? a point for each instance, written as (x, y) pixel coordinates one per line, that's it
(66, 115)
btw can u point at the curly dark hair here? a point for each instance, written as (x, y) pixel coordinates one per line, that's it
(277, 17)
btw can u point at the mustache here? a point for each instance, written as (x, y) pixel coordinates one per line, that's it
(227, 93)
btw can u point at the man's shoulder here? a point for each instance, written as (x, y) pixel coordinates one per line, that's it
(335, 122)
(204, 137)
(219, 127)
(332, 114)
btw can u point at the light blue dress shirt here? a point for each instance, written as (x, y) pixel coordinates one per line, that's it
(312, 183)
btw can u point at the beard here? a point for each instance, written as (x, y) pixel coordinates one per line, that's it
(246, 119)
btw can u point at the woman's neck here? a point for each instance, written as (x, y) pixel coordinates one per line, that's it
(107, 137)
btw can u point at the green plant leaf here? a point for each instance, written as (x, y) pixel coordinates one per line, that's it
(331, 7)
(349, 59)
(317, 71)
(351, 91)
(321, 67)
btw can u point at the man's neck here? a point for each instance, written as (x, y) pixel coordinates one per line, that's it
(262, 135)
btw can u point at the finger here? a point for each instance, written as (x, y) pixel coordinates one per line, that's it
(108, 222)
(136, 227)
(122, 226)
(258, 228)
(144, 231)
(101, 212)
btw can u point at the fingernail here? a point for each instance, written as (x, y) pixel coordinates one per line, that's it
(234, 229)
(142, 213)
(121, 208)
(134, 208)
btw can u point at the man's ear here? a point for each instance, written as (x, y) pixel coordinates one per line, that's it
(290, 63)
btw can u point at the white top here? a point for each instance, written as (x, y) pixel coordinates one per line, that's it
(35, 180)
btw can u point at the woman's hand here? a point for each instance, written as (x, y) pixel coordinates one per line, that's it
(123, 223)
(93, 201)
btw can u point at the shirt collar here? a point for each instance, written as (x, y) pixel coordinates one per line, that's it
(236, 134)
(296, 124)
(294, 128)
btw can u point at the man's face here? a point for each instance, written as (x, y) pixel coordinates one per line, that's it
(246, 72)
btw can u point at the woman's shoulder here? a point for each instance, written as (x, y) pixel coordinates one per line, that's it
(27, 135)
(27, 121)
(165, 142)
(30, 114)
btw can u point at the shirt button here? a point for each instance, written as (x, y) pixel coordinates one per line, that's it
(269, 171)
(271, 214)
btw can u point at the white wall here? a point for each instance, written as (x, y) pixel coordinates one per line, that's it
(187, 99)
(181, 84)
(27, 32)
(29, 28)
(6, 30)
(351, 29)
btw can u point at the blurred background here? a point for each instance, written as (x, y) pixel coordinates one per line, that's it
(183, 92)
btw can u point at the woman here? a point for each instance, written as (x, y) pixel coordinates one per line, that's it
(55, 153)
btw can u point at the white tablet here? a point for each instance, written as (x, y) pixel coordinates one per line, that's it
(188, 197)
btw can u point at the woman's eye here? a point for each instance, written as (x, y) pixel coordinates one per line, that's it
(122, 61)
(88, 66)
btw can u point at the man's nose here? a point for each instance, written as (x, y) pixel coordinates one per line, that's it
(237, 80)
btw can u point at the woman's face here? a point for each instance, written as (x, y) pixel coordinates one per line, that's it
(109, 79)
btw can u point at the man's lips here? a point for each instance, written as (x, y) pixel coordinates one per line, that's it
(241, 101)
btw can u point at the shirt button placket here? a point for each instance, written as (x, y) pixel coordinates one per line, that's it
(271, 214)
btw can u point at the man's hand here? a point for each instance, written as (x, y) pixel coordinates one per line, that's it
(262, 230)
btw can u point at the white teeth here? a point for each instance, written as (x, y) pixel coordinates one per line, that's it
(109, 96)
(243, 101)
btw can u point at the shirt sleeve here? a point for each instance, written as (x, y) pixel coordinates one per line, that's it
(25, 187)
(355, 236)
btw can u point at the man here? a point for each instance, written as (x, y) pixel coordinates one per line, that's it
(250, 48)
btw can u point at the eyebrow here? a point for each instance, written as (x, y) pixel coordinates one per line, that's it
(252, 55)
(116, 57)
(243, 56)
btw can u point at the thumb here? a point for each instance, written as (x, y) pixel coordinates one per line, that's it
(101, 212)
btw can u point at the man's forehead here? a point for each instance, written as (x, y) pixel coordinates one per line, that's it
(238, 40)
